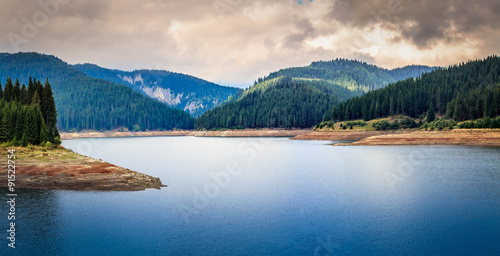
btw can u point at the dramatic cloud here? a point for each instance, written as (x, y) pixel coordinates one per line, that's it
(235, 41)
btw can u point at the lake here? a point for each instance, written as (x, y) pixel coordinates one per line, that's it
(272, 196)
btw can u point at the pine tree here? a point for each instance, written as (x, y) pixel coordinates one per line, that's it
(1, 91)
(49, 110)
(22, 95)
(36, 99)
(44, 135)
(39, 89)
(5, 125)
(30, 92)
(431, 114)
(31, 131)
(20, 123)
(9, 90)
(17, 91)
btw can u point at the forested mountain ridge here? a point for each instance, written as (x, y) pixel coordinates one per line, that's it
(181, 91)
(466, 91)
(277, 103)
(87, 103)
(296, 97)
(351, 74)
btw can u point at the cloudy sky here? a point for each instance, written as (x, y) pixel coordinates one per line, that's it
(233, 42)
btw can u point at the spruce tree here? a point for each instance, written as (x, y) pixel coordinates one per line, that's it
(44, 135)
(31, 132)
(20, 123)
(36, 99)
(1, 91)
(5, 125)
(39, 89)
(30, 92)
(49, 110)
(22, 95)
(17, 91)
(9, 90)
(431, 114)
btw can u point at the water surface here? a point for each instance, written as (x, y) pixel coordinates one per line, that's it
(272, 196)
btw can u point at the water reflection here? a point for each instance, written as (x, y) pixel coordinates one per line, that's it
(37, 223)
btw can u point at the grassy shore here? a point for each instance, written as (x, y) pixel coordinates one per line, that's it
(62, 169)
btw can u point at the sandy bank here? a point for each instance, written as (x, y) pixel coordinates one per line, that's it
(79, 135)
(343, 135)
(61, 169)
(252, 133)
(476, 137)
(225, 133)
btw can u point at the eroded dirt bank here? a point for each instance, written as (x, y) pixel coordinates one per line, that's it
(476, 137)
(252, 133)
(62, 169)
(225, 133)
(343, 135)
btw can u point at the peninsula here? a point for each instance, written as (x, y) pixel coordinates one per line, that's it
(62, 169)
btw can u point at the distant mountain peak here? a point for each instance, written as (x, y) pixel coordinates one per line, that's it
(181, 91)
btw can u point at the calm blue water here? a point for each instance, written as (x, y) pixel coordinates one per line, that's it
(273, 196)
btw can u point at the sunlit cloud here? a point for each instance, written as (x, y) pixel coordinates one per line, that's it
(236, 41)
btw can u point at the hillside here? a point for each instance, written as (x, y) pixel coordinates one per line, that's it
(359, 77)
(466, 91)
(290, 98)
(278, 103)
(185, 92)
(86, 103)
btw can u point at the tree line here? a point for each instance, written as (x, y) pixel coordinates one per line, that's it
(28, 114)
(87, 103)
(461, 92)
(283, 104)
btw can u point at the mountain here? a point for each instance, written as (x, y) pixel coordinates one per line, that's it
(357, 76)
(281, 103)
(87, 103)
(185, 92)
(412, 71)
(299, 96)
(462, 92)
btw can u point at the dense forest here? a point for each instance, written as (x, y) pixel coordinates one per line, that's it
(28, 114)
(352, 74)
(278, 103)
(86, 103)
(181, 91)
(295, 97)
(460, 92)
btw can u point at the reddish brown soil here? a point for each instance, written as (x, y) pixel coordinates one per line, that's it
(223, 133)
(477, 137)
(343, 135)
(63, 169)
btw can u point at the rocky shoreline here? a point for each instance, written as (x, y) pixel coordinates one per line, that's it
(61, 169)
